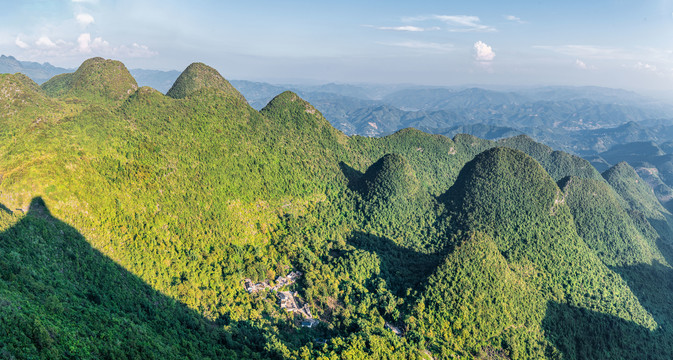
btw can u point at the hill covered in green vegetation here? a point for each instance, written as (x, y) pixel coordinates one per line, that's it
(97, 79)
(198, 76)
(652, 162)
(130, 221)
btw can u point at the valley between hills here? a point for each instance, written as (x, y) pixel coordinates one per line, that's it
(140, 225)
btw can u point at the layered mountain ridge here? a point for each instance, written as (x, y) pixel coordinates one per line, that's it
(410, 245)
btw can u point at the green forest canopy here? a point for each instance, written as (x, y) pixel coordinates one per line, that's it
(130, 219)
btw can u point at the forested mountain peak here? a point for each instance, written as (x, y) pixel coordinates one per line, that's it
(21, 98)
(198, 76)
(605, 225)
(638, 195)
(291, 111)
(96, 79)
(15, 86)
(181, 201)
(521, 183)
(390, 178)
(622, 171)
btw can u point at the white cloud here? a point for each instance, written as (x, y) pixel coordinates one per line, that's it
(457, 23)
(515, 19)
(86, 45)
(45, 42)
(86, 1)
(643, 66)
(84, 19)
(20, 43)
(587, 51)
(483, 53)
(404, 28)
(99, 43)
(83, 42)
(422, 45)
(661, 71)
(102, 47)
(581, 64)
(135, 50)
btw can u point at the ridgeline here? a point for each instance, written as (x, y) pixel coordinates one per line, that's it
(130, 219)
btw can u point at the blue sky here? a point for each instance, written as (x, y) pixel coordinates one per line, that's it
(625, 44)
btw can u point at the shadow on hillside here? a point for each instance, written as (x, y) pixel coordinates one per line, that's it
(353, 176)
(579, 333)
(663, 228)
(402, 268)
(67, 300)
(653, 286)
(5, 209)
(664, 233)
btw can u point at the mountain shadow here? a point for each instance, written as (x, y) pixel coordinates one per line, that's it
(61, 298)
(578, 333)
(652, 284)
(352, 176)
(401, 267)
(5, 209)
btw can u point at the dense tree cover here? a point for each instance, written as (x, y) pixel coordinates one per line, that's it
(557, 163)
(506, 194)
(644, 207)
(652, 162)
(466, 246)
(198, 76)
(96, 79)
(605, 225)
(475, 301)
(61, 298)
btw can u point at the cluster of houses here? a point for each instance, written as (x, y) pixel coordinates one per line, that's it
(287, 299)
(393, 328)
(290, 301)
(281, 281)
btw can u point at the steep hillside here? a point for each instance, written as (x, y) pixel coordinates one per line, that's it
(652, 164)
(476, 305)
(22, 102)
(637, 194)
(199, 76)
(195, 206)
(389, 181)
(61, 298)
(605, 225)
(641, 200)
(557, 163)
(97, 79)
(506, 194)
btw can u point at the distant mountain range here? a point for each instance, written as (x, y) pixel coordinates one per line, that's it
(36, 71)
(41, 72)
(580, 120)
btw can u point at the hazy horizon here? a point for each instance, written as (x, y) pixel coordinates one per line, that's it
(605, 43)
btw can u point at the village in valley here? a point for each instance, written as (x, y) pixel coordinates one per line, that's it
(291, 302)
(287, 300)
